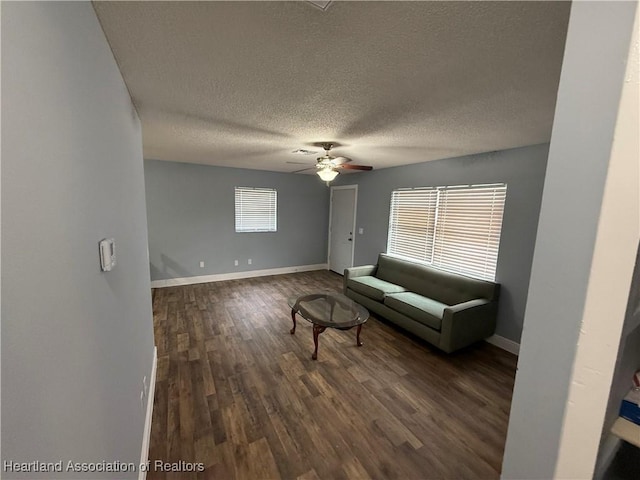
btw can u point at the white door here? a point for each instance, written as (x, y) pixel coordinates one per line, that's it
(342, 227)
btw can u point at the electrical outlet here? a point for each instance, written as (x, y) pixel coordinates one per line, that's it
(249, 261)
(201, 264)
(235, 262)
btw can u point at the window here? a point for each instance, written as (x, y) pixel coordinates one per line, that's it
(256, 209)
(453, 228)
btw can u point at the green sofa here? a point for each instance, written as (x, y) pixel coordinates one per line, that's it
(447, 310)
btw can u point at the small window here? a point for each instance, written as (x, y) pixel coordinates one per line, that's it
(453, 228)
(256, 209)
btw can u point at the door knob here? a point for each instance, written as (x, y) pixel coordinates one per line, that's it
(350, 239)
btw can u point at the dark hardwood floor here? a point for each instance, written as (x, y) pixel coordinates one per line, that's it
(238, 393)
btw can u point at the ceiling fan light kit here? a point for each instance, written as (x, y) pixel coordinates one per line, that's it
(327, 173)
(327, 167)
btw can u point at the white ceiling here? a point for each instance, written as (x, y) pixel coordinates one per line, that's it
(242, 84)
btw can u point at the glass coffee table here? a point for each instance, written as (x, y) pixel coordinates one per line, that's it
(328, 310)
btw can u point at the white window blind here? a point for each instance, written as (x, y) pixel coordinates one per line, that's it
(411, 223)
(453, 228)
(256, 209)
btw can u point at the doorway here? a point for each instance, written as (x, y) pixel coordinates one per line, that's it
(342, 225)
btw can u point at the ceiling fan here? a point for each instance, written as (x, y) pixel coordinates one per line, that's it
(328, 167)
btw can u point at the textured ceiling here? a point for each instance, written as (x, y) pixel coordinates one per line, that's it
(243, 84)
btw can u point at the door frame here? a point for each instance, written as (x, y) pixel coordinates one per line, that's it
(355, 216)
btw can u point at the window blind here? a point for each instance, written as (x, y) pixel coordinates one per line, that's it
(412, 222)
(453, 228)
(469, 225)
(256, 209)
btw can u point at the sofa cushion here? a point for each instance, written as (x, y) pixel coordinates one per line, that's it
(449, 288)
(421, 309)
(373, 287)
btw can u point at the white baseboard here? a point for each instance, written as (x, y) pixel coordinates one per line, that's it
(504, 343)
(174, 282)
(144, 454)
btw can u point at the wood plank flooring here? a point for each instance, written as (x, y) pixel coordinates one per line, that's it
(238, 393)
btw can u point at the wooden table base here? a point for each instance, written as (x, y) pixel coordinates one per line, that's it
(293, 317)
(317, 330)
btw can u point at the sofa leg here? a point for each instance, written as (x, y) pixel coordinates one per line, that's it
(358, 342)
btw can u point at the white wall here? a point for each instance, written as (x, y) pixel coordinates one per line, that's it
(574, 294)
(76, 342)
(608, 290)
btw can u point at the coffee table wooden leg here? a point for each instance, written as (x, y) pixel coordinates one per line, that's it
(317, 330)
(358, 342)
(293, 317)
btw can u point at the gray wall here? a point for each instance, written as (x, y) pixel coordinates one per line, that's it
(522, 169)
(190, 211)
(76, 342)
(589, 92)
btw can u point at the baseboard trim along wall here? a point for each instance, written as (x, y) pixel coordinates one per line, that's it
(174, 282)
(144, 454)
(505, 344)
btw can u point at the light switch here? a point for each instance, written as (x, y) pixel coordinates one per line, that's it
(361, 230)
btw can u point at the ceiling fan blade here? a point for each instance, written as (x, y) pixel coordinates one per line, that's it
(304, 170)
(340, 160)
(355, 167)
(299, 163)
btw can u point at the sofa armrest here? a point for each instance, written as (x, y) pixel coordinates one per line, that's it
(353, 272)
(468, 322)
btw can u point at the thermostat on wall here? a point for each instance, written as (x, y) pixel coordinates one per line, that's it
(107, 254)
